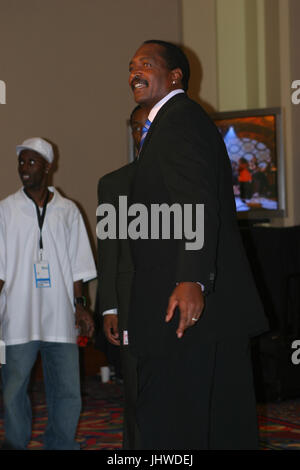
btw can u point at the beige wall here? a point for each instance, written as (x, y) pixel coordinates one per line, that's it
(199, 36)
(272, 59)
(65, 65)
(249, 54)
(237, 44)
(231, 54)
(295, 112)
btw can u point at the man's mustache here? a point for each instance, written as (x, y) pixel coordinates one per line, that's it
(136, 80)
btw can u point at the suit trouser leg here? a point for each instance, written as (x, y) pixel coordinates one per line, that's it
(130, 429)
(233, 412)
(198, 398)
(174, 396)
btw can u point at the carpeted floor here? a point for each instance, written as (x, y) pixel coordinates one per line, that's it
(100, 425)
(279, 425)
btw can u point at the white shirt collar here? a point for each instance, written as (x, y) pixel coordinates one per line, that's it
(158, 105)
(29, 204)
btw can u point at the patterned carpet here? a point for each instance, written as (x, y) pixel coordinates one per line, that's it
(100, 425)
(279, 425)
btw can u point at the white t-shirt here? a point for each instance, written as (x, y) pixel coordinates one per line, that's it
(28, 312)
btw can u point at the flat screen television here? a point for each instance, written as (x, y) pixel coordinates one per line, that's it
(254, 143)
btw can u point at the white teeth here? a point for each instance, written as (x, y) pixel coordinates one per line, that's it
(138, 85)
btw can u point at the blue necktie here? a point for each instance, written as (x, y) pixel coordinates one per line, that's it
(144, 132)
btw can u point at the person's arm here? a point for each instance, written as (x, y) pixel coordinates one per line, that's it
(1, 285)
(83, 268)
(107, 256)
(2, 251)
(84, 319)
(2, 262)
(190, 169)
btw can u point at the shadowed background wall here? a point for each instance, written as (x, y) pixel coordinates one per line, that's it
(65, 65)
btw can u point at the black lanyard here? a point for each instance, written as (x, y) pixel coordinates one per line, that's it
(40, 216)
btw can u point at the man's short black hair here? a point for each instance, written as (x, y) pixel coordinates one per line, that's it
(132, 113)
(175, 58)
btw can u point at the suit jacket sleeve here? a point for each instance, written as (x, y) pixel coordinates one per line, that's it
(190, 168)
(107, 258)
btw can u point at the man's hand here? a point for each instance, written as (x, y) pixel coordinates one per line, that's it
(111, 330)
(188, 297)
(84, 321)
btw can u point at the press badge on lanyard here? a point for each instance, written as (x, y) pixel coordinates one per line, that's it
(42, 274)
(41, 267)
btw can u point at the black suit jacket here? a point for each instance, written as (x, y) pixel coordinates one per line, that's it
(115, 267)
(184, 160)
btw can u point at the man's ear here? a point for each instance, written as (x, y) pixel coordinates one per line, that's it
(47, 167)
(176, 76)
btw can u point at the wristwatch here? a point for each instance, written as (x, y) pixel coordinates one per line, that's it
(80, 300)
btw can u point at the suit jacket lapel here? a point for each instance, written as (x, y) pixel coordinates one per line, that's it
(158, 117)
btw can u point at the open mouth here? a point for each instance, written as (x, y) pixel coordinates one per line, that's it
(138, 83)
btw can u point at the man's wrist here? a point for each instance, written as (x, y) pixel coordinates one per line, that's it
(195, 282)
(80, 301)
(111, 311)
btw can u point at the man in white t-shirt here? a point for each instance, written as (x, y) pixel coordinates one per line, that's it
(45, 257)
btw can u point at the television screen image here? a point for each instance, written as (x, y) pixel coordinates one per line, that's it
(253, 140)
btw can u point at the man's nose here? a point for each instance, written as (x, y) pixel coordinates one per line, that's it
(135, 73)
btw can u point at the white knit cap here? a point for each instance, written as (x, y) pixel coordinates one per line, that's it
(38, 145)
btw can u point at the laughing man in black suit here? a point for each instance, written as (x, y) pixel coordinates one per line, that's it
(192, 310)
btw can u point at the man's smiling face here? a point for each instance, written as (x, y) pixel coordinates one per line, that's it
(149, 79)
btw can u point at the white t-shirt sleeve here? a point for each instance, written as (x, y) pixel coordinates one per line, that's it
(82, 260)
(3, 248)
